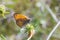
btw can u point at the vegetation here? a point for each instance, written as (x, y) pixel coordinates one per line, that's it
(41, 19)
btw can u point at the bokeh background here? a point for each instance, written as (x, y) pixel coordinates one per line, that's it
(41, 18)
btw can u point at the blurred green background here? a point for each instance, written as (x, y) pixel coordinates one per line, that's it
(41, 19)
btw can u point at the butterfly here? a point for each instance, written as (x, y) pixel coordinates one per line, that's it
(21, 19)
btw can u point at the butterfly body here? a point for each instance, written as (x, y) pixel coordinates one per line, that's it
(21, 19)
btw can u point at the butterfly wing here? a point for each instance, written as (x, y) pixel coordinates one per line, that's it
(21, 20)
(19, 23)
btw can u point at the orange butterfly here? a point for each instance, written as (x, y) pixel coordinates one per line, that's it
(21, 19)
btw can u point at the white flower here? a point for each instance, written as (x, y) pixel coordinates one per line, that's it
(38, 4)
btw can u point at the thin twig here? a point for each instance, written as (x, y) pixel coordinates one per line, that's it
(32, 33)
(53, 31)
(49, 10)
(54, 17)
(52, 14)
